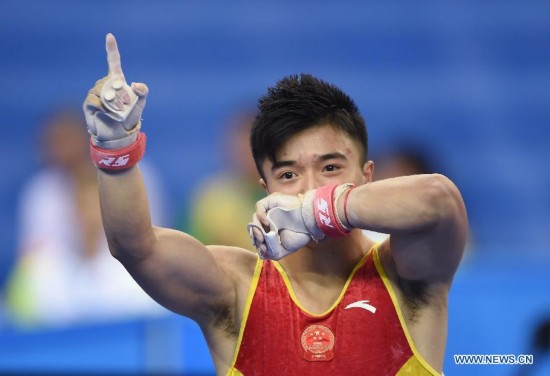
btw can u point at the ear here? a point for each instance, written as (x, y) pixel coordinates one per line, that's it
(263, 185)
(368, 171)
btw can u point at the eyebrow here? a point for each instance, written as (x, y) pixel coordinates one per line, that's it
(324, 157)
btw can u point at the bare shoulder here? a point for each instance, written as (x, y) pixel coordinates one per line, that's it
(238, 263)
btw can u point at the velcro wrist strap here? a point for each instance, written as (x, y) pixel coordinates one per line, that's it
(324, 209)
(119, 159)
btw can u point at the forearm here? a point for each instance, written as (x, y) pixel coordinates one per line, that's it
(125, 212)
(402, 205)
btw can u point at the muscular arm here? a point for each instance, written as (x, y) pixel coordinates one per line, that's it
(425, 216)
(174, 268)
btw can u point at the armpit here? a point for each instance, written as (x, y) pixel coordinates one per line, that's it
(415, 297)
(224, 319)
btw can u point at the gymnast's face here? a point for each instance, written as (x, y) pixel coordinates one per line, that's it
(315, 157)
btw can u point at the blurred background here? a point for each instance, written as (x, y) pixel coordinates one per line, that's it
(464, 85)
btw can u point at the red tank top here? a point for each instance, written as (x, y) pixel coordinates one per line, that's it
(363, 333)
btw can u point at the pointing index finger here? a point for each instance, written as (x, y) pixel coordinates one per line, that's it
(113, 56)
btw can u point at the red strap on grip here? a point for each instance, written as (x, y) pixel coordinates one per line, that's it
(325, 212)
(119, 159)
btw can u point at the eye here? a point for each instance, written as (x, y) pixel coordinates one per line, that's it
(331, 168)
(287, 175)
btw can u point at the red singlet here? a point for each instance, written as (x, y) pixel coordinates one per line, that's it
(363, 333)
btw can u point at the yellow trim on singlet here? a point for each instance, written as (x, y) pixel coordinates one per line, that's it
(294, 298)
(393, 296)
(413, 367)
(232, 371)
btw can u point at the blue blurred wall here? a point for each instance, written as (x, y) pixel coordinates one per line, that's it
(466, 80)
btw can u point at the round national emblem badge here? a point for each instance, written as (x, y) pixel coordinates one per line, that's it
(318, 343)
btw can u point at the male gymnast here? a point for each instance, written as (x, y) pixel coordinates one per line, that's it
(320, 298)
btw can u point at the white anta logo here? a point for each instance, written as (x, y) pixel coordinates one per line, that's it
(362, 304)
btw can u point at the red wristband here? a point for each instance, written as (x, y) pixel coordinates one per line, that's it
(346, 205)
(119, 159)
(325, 212)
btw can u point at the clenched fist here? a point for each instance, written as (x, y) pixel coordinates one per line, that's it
(292, 221)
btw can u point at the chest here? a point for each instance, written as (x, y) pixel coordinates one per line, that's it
(360, 321)
(359, 298)
(314, 298)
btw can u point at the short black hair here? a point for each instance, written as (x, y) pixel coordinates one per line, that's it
(299, 102)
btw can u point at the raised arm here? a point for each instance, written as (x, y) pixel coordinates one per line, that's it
(174, 268)
(425, 216)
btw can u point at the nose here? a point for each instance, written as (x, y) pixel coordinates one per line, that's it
(310, 181)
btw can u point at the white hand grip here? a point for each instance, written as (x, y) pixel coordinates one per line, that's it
(279, 219)
(118, 98)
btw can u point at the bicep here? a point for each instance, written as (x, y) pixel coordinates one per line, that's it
(181, 274)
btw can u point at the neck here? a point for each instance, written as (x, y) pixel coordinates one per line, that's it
(335, 258)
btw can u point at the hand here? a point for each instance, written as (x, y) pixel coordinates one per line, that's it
(117, 125)
(280, 215)
(293, 221)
